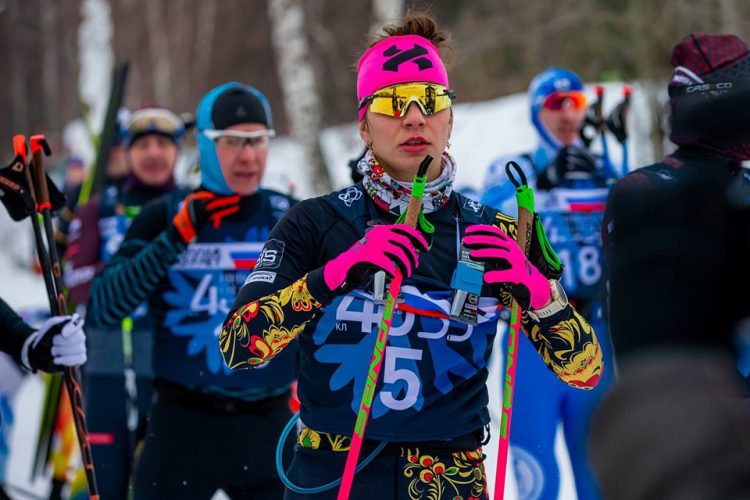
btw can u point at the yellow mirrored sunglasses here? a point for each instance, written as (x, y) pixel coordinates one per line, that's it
(395, 100)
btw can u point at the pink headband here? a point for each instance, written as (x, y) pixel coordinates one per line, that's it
(398, 59)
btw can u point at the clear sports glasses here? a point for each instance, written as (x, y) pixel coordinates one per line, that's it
(235, 140)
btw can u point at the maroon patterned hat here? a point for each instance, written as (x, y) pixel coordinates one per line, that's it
(709, 58)
(710, 73)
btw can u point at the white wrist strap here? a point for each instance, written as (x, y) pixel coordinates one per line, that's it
(25, 350)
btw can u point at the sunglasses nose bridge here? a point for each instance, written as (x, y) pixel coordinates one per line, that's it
(416, 100)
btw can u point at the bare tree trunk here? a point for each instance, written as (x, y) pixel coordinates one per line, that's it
(158, 44)
(385, 12)
(297, 77)
(204, 40)
(639, 19)
(19, 117)
(728, 16)
(96, 61)
(50, 68)
(180, 31)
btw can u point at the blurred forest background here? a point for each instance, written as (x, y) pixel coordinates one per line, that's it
(178, 49)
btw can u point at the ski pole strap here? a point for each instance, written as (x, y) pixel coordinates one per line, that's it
(524, 194)
(422, 222)
(525, 199)
(414, 210)
(413, 214)
(548, 253)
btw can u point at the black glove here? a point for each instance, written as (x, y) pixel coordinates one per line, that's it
(616, 122)
(572, 162)
(590, 126)
(13, 191)
(574, 159)
(198, 209)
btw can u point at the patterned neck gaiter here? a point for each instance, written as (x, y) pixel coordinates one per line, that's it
(393, 196)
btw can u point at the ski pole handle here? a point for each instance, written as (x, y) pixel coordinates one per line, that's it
(525, 199)
(39, 149)
(598, 111)
(19, 147)
(417, 193)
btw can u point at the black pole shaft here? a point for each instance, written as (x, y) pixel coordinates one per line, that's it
(71, 377)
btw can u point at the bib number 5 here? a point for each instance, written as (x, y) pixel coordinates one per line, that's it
(393, 375)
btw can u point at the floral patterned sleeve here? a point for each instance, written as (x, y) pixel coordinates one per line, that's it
(565, 341)
(259, 330)
(284, 295)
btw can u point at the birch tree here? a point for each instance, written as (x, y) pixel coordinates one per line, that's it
(299, 89)
(95, 58)
(159, 50)
(385, 12)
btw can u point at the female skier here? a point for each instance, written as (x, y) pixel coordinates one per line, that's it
(317, 281)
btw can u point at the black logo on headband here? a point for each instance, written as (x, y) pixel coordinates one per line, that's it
(412, 55)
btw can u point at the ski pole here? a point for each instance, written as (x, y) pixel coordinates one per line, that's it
(103, 141)
(131, 389)
(19, 146)
(525, 199)
(365, 405)
(44, 443)
(51, 266)
(625, 106)
(44, 207)
(601, 128)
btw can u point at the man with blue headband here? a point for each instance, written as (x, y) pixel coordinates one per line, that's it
(571, 187)
(187, 254)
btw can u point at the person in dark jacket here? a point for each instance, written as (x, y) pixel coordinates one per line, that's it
(317, 286)
(678, 233)
(187, 254)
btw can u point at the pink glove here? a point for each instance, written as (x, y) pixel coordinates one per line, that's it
(506, 264)
(386, 247)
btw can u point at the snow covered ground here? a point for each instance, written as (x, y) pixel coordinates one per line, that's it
(482, 131)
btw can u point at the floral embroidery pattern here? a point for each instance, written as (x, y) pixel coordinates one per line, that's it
(458, 476)
(243, 349)
(309, 438)
(569, 348)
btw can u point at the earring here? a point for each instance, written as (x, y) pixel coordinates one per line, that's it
(448, 144)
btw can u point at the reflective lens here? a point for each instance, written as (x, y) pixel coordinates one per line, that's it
(158, 120)
(562, 99)
(395, 100)
(235, 140)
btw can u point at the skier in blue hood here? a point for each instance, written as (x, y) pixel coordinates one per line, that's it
(571, 192)
(187, 254)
